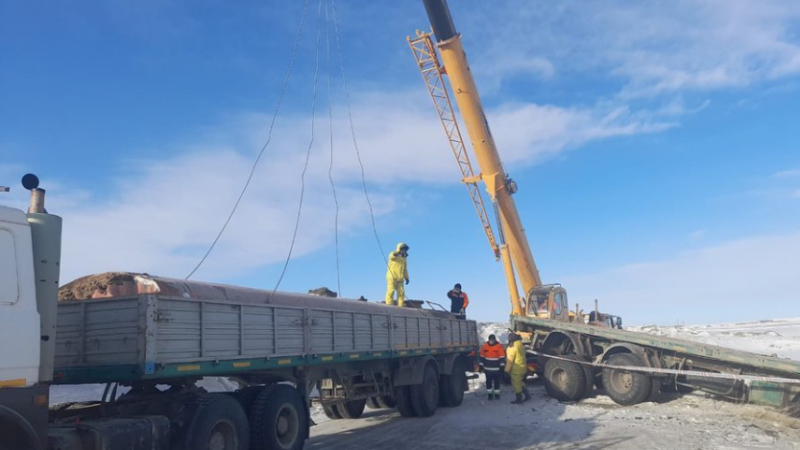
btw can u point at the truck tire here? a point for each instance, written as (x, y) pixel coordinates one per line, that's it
(564, 380)
(624, 387)
(387, 401)
(403, 396)
(451, 387)
(331, 412)
(425, 396)
(372, 403)
(352, 409)
(246, 396)
(278, 419)
(216, 421)
(381, 402)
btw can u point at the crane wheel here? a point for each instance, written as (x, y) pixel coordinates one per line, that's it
(625, 387)
(564, 380)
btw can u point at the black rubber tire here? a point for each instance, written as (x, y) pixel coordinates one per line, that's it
(247, 396)
(387, 401)
(278, 419)
(564, 380)
(425, 396)
(451, 387)
(352, 409)
(331, 412)
(588, 387)
(626, 388)
(215, 417)
(373, 403)
(403, 396)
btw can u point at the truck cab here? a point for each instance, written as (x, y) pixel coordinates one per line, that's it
(548, 301)
(19, 319)
(30, 253)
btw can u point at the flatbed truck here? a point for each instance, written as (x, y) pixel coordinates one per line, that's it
(149, 339)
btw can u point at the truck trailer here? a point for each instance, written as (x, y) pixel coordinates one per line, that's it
(149, 339)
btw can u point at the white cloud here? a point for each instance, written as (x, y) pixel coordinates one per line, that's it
(163, 212)
(796, 194)
(656, 48)
(754, 277)
(787, 174)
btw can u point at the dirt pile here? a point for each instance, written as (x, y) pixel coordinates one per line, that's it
(93, 286)
(323, 292)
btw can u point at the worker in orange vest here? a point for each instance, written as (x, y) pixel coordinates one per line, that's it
(458, 300)
(492, 361)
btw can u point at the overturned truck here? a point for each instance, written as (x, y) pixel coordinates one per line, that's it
(153, 337)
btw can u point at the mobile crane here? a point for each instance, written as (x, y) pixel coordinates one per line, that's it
(573, 356)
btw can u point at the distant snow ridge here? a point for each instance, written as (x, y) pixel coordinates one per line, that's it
(500, 330)
(779, 337)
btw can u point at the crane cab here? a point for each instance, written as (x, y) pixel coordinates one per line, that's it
(548, 301)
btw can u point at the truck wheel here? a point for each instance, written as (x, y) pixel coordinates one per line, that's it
(381, 402)
(624, 387)
(403, 396)
(247, 396)
(351, 409)
(387, 401)
(217, 422)
(425, 396)
(564, 380)
(372, 403)
(279, 419)
(331, 411)
(451, 387)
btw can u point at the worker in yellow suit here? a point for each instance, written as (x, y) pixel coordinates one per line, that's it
(517, 367)
(396, 273)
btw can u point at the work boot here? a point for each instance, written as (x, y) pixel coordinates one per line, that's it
(526, 394)
(518, 401)
(491, 397)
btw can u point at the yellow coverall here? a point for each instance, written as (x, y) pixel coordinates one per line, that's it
(516, 366)
(396, 273)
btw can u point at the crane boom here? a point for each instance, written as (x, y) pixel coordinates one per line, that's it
(425, 53)
(515, 251)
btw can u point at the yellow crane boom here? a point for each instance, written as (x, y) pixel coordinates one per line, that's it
(514, 249)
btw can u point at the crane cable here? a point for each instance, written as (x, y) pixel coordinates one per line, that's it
(330, 167)
(353, 133)
(308, 156)
(266, 144)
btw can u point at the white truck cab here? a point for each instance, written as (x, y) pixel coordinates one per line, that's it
(30, 254)
(19, 319)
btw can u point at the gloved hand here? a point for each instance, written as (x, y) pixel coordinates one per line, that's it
(406, 280)
(463, 311)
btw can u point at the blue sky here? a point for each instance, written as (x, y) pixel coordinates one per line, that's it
(656, 146)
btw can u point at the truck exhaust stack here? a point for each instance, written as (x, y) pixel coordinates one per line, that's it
(46, 236)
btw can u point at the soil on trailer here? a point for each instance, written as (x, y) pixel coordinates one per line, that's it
(93, 286)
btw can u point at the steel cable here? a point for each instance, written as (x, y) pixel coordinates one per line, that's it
(330, 128)
(266, 144)
(353, 133)
(308, 156)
